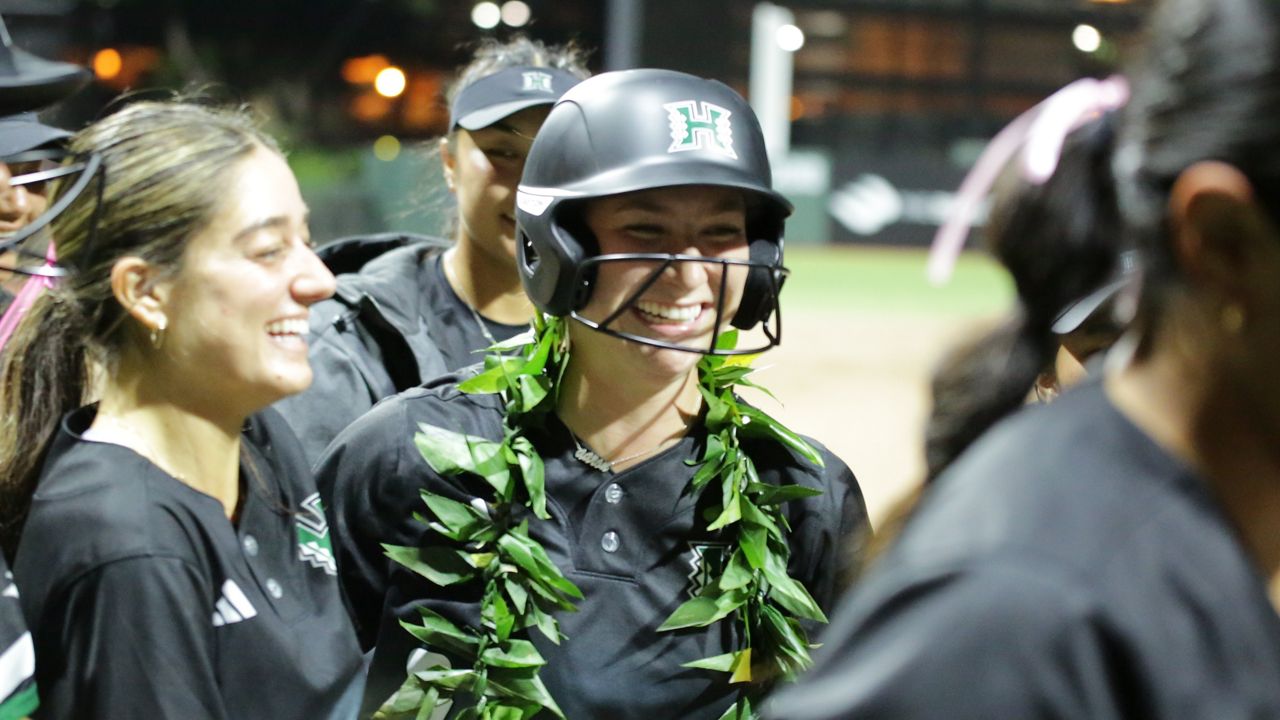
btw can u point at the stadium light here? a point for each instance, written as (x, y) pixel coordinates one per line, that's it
(516, 13)
(486, 15)
(1086, 38)
(390, 82)
(790, 38)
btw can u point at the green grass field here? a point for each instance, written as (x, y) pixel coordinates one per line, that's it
(891, 280)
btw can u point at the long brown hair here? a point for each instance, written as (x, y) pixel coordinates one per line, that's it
(164, 165)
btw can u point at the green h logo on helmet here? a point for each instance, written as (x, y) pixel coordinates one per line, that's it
(700, 125)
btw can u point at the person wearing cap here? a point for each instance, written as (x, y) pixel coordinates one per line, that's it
(27, 82)
(411, 307)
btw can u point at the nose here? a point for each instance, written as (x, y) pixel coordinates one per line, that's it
(313, 282)
(688, 272)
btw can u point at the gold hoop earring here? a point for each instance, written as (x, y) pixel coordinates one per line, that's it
(157, 335)
(1232, 318)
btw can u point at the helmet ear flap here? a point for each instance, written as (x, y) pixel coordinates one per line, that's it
(759, 296)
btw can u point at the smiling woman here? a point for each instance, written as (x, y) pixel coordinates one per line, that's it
(196, 569)
(609, 468)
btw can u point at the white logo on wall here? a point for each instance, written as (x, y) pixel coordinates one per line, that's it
(869, 203)
(700, 125)
(537, 82)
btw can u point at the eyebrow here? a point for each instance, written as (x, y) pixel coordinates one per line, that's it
(275, 221)
(509, 129)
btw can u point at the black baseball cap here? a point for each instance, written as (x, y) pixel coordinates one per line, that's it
(506, 92)
(21, 133)
(28, 82)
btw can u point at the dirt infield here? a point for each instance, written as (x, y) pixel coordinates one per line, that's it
(856, 380)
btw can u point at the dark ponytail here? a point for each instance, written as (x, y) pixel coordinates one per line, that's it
(45, 375)
(1059, 240)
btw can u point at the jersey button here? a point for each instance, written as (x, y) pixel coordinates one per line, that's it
(613, 494)
(250, 544)
(274, 588)
(610, 542)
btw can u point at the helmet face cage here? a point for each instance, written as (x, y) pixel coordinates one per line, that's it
(29, 249)
(637, 130)
(771, 326)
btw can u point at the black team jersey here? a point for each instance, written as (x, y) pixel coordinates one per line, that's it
(1065, 567)
(146, 602)
(391, 326)
(632, 542)
(17, 658)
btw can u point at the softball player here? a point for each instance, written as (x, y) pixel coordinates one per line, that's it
(1107, 556)
(406, 309)
(650, 240)
(175, 560)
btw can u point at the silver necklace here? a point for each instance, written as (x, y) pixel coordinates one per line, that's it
(596, 461)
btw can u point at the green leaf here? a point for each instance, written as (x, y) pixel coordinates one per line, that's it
(720, 663)
(753, 540)
(727, 340)
(755, 516)
(503, 712)
(788, 638)
(787, 592)
(498, 368)
(514, 654)
(741, 710)
(533, 389)
(442, 566)
(766, 494)
(761, 423)
(519, 596)
(545, 623)
(703, 610)
(529, 688)
(732, 513)
(738, 573)
(533, 473)
(440, 634)
(530, 556)
(406, 701)
(460, 521)
(449, 678)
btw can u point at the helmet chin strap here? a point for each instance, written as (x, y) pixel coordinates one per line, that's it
(772, 284)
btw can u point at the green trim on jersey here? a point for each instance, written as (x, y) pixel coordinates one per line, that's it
(20, 704)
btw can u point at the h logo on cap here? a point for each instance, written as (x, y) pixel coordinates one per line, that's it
(537, 82)
(696, 125)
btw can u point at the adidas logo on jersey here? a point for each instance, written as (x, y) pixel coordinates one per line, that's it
(313, 536)
(233, 606)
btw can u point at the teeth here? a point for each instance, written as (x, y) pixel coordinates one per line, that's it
(679, 313)
(292, 326)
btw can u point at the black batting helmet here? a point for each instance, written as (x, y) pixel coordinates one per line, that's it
(632, 130)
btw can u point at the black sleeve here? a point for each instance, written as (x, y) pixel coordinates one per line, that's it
(1000, 642)
(135, 641)
(371, 492)
(339, 393)
(17, 657)
(830, 532)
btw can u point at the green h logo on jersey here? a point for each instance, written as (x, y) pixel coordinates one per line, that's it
(313, 536)
(696, 125)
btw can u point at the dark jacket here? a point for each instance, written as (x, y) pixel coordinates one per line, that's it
(370, 340)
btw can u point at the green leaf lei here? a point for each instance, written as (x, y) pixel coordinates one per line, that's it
(498, 671)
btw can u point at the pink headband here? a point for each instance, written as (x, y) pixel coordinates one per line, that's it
(25, 297)
(1040, 133)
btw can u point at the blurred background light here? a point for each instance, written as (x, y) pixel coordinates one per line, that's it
(486, 15)
(790, 38)
(1086, 38)
(516, 13)
(390, 82)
